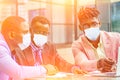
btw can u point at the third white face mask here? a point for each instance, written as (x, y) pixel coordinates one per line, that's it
(92, 33)
(39, 39)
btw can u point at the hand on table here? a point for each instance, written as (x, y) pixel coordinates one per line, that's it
(77, 70)
(51, 69)
(106, 65)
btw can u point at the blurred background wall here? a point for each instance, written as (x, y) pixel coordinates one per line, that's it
(63, 15)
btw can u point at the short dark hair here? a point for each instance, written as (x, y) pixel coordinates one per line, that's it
(87, 12)
(40, 19)
(11, 23)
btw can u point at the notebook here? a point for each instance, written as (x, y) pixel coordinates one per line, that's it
(109, 74)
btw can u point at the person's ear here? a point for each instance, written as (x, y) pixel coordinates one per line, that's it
(11, 35)
(81, 27)
(99, 24)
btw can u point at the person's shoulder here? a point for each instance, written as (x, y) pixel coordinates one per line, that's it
(49, 44)
(111, 34)
(79, 38)
(2, 41)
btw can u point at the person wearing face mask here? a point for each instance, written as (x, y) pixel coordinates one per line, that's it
(95, 49)
(15, 32)
(43, 52)
(25, 42)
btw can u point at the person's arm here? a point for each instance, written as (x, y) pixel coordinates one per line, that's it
(60, 63)
(12, 69)
(81, 59)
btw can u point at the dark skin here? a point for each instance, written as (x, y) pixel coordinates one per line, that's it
(94, 43)
(38, 28)
(15, 35)
(84, 26)
(104, 64)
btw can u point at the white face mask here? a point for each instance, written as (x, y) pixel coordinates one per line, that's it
(25, 42)
(92, 33)
(39, 39)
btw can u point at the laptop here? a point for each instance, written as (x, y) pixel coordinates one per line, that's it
(109, 74)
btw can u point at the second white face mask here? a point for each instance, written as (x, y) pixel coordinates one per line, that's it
(39, 39)
(92, 33)
(26, 41)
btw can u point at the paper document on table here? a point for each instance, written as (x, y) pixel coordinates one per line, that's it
(60, 74)
(106, 74)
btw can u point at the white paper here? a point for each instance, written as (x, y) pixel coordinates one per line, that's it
(60, 74)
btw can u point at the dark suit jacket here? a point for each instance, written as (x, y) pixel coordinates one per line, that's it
(49, 56)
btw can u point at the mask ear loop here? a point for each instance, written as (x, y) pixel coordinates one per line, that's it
(81, 27)
(99, 23)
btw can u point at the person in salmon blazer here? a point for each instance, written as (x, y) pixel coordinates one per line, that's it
(95, 49)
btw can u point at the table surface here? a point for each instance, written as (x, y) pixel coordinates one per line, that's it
(68, 76)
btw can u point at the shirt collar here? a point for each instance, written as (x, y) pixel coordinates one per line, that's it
(99, 44)
(35, 48)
